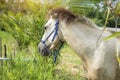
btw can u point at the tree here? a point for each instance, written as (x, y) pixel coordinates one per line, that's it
(94, 9)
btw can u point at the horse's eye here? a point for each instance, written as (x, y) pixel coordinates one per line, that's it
(45, 28)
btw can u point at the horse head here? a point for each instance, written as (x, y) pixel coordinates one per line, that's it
(52, 36)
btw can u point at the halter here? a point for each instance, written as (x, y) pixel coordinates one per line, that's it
(55, 31)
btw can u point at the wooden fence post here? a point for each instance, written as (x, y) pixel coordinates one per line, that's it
(0, 47)
(5, 53)
(5, 50)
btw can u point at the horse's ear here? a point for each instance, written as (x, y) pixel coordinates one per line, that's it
(52, 13)
(55, 15)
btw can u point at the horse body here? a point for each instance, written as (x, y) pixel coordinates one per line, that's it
(82, 36)
(99, 58)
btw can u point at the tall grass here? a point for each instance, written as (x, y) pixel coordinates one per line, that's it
(26, 64)
(27, 68)
(35, 67)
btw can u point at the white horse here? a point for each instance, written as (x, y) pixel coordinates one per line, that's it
(82, 35)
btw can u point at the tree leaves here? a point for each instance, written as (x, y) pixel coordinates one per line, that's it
(117, 9)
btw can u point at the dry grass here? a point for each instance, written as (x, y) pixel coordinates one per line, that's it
(70, 66)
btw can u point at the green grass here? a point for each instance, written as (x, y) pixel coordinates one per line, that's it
(27, 67)
(18, 68)
(40, 68)
(9, 41)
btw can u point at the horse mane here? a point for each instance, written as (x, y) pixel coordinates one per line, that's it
(64, 14)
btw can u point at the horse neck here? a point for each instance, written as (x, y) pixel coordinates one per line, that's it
(81, 38)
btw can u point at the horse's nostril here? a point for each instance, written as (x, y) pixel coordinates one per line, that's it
(42, 50)
(38, 48)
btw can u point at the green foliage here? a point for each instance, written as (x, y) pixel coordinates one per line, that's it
(24, 28)
(117, 9)
(9, 41)
(91, 9)
(27, 68)
(24, 20)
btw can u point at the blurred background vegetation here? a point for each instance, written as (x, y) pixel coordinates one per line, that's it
(21, 28)
(24, 19)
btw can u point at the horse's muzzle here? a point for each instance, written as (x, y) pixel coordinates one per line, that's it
(43, 50)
